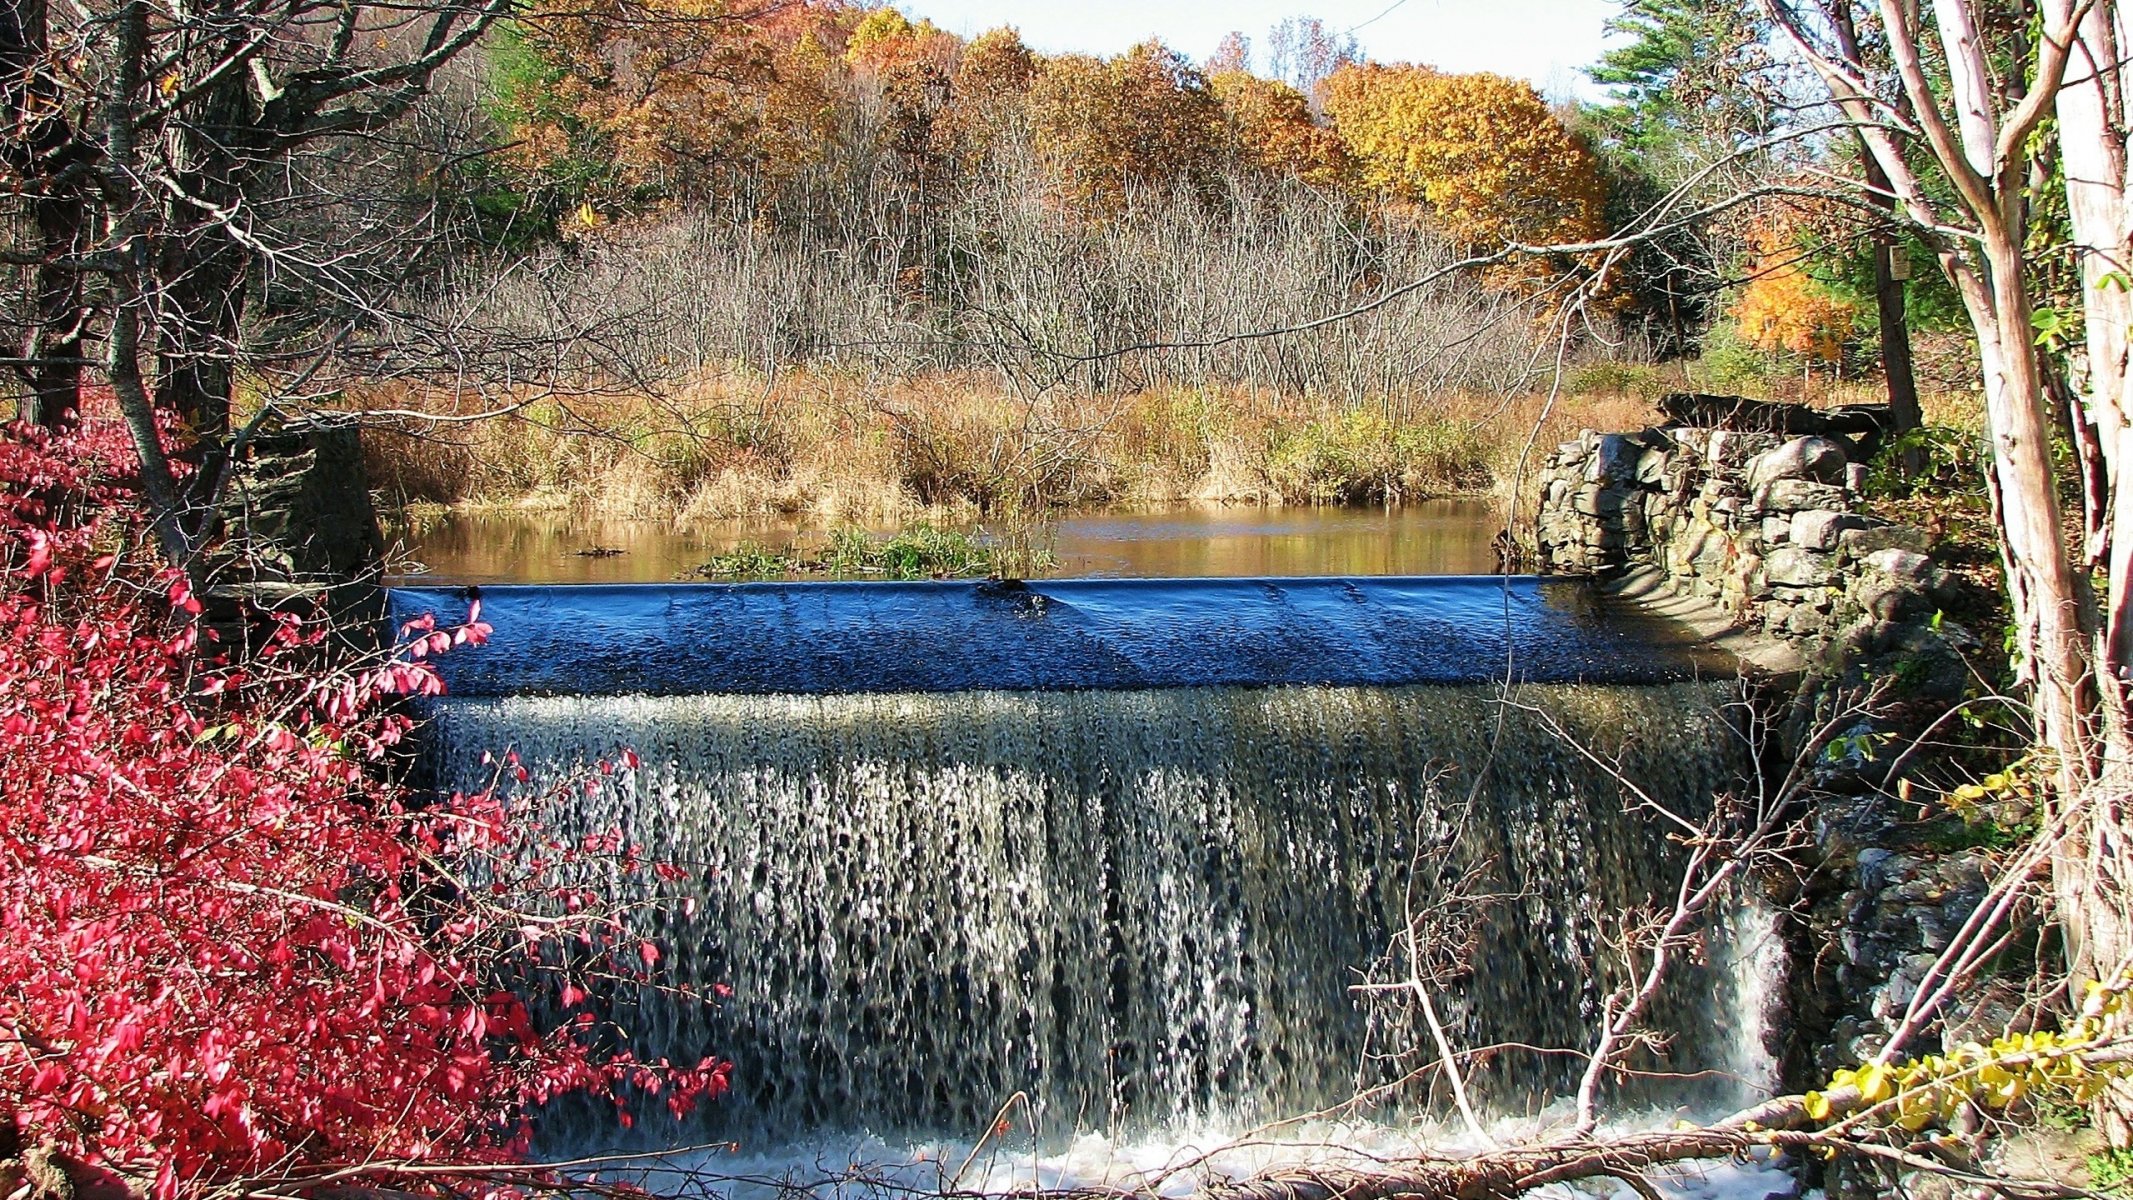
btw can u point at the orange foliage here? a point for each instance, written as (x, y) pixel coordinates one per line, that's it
(1486, 154)
(995, 65)
(675, 98)
(1146, 116)
(1783, 309)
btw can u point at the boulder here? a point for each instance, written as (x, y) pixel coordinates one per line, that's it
(1731, 449)
(1597, 500)
(1907, 565)
(1819, 459)
(1651, 469)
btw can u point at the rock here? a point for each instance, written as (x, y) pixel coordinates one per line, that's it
(1614, 460)
(1907, 565)
(1805, 622)
(1813, 599)
(1652, 467)
(1731, 449)
(1818, 459)
(1819, 528)
(1795, 567)
(1696, 441)
(1594, 500)
(1872, 877)
(1776, 531)
(1855, 476)
(1794, 495)
(1861, 542)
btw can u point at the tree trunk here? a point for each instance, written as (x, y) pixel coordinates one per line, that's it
(1902, 384)
(2093, 870)
(54, 344)
(1896, 368)
(51, 347)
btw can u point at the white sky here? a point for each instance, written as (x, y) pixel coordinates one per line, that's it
(1545, 41)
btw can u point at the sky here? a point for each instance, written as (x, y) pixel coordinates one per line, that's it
(1545, 41)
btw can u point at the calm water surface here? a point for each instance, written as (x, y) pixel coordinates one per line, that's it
(1439, 537)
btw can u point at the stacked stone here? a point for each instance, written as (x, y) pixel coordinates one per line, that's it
(1764, 525)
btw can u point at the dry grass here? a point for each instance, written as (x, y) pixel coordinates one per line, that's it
(838, 448)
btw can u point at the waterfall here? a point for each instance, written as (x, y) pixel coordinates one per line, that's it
(1140, 909)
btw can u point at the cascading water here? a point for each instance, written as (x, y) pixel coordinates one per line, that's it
(1139, 909)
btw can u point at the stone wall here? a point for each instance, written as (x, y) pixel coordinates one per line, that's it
(1765, 526)
(1769, 529)
(300, 526)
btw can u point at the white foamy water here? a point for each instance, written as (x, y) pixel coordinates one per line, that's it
(1142, 912)
(1175, 1166)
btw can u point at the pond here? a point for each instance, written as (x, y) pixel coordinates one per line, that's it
(1437, 537)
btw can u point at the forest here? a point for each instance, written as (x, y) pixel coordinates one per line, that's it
(698, 261)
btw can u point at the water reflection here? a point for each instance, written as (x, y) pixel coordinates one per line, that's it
(1439, 537)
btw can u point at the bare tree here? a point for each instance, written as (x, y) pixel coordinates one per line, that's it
(170, 158)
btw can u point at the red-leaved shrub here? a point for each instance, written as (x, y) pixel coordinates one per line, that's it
(228, 951)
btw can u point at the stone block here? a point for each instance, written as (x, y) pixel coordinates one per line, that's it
(1805, 622)
(1814, 599)
(1795, 495)
(1816, 459)
(1652, 467)
(1859, 543)
(1596, 501)
(1696, 441)
(1776, 531)
(1819, 528)
(1795, 567)
(1614, 460)
(1907, 565)
(1712, 554)
(1730, 448)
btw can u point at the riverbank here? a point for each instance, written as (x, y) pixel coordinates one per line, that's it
(838, 449)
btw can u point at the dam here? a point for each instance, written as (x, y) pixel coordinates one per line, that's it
(1120, 857)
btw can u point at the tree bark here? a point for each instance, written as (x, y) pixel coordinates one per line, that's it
(51, 349)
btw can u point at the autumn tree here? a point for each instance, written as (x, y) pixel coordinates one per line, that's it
(1486, 155)
(989, 84)
(171, 139)
(1783, 308)
(624, 100)
(1147, 116)
(1270, 128)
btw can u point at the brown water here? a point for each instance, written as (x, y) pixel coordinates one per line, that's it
(1438, 537)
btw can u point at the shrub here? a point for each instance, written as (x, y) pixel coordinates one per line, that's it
(232, 951)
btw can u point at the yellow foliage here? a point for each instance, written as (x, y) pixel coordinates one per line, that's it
(1486, 154)
(994, 65)
(885, 39)
(1270, 127)
(1935, 1087)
